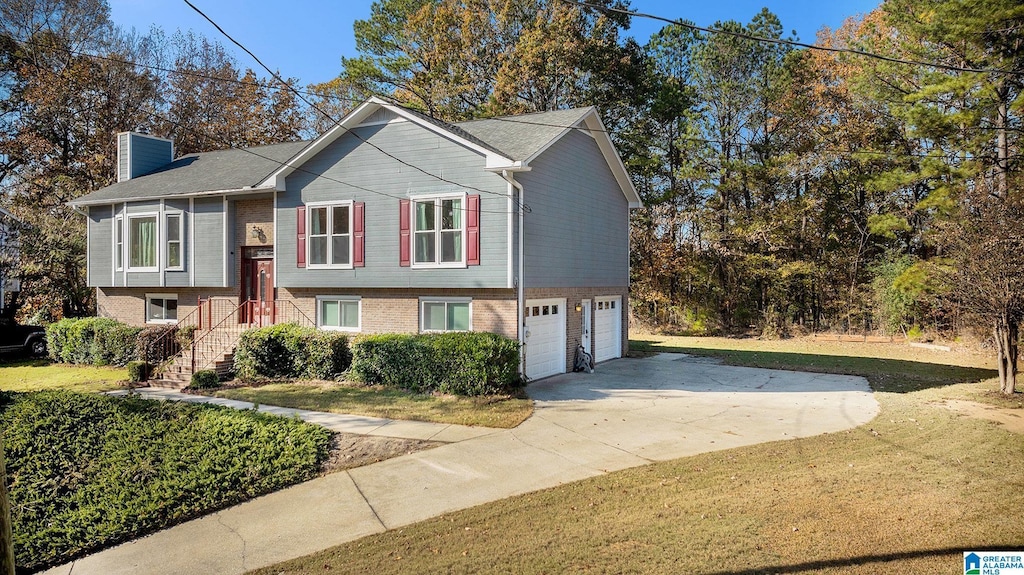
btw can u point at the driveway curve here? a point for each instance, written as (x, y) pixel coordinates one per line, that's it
(628, 413)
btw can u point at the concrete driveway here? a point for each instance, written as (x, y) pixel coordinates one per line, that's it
(629, 412)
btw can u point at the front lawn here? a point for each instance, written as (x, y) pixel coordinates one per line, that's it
(40, 374)
(888, 367)
(490, 411)
(907, 493)
(87, 471)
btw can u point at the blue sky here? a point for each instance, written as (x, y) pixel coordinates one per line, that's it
(305, 39)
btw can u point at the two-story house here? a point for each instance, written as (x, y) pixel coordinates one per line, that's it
(390, 222)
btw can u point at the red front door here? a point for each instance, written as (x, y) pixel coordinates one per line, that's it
(259, 290)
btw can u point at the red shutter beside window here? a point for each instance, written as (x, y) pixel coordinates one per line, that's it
(403, 233)
(300, 236)
(358, 241)
(473, 230)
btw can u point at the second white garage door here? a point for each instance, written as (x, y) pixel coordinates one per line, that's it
(545, 337)
(607, 328)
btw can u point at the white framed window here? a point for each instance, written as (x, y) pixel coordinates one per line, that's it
(329, 237)
(161, 308)
(339, 312)
(439, 231)
(173, 232)
(119, 243)
(142, 242)
(446, 314)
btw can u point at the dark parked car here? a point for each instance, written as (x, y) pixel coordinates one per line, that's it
(28, 339)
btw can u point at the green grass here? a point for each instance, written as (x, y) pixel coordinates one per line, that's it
(87, 471)
(491, 411)
(906, 493)
(40, 374)
(888, 367)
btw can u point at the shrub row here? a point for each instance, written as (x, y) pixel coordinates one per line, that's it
(291, 351)
(462, 363)
(88, 471)
(92, 340)
(104, 341)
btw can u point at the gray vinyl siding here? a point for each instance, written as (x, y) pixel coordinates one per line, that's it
(101, 246)
(123, 172)
(209, 238)
(350, 160)
(139, 155)
(577, 232)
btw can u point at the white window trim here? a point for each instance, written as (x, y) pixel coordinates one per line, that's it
(128, 244)
(119, 227)
(181, 241)
(445, 300)
(437, 232)
(163, 296)
(330, 226)
(346, 298)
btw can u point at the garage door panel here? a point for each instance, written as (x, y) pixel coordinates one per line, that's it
(607, 328)
(545, 337)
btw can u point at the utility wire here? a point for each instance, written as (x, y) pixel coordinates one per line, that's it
(783, 42)
(336, 122)
(192, 74)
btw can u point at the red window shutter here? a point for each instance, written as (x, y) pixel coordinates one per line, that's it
(473, 230)
(358, 240)
(300, 244)
(403, 233)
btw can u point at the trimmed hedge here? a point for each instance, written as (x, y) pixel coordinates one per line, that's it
(291, 351)
(92, 340)
(138, 371)
(204, 379)
(459, 363)
(88, 471)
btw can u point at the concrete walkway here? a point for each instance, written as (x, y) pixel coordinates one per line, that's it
(628, 413)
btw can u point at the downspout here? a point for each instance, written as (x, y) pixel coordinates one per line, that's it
(520, 288)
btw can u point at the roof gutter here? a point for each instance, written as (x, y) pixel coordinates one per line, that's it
(232, 192)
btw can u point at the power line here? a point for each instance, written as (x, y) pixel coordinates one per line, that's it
(328, 116)
(783, 42)
(193, 74)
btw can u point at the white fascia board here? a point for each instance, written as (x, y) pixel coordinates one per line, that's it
(354, 119)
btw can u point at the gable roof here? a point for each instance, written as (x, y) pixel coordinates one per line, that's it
(523, 137)
(196, 174)
(507, 143)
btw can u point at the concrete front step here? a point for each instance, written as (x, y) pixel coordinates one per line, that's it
(166, 384)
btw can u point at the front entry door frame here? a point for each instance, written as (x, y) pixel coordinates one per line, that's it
(258, 287)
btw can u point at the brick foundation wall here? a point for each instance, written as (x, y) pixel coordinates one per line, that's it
(398, 310)
(129, 304)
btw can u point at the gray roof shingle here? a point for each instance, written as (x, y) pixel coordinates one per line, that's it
(520, 137)
(231, 169)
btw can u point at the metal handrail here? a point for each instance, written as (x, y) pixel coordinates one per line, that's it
(168, 343)
(213, 329)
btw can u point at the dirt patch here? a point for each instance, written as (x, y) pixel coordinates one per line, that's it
(1011, 419)
(349, 450)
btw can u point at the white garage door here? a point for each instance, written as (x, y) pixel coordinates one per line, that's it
(607, 328)
(545, 337)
